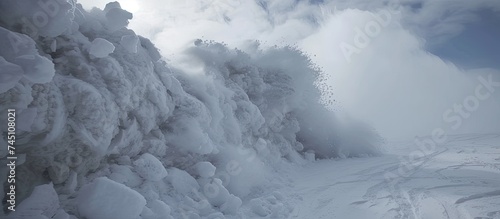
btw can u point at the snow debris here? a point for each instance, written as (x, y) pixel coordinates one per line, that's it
(10, 74)
(182, 181)
(205, 169)
(130, 43)
(36, 68)
(20, 58)
(150, 168)
(101, 48)
(117, 18)
(43, 18)
(106, 128)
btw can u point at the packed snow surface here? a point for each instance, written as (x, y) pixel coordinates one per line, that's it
(107, 199)
(150, 168)
(458, 179)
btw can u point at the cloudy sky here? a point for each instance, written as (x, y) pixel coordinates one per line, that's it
(399, 65)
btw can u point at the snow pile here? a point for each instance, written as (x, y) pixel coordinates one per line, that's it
(129, 135)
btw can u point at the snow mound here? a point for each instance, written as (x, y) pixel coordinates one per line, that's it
(104, 124)
(107, 199)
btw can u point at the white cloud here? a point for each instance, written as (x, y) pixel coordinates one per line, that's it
(393, 83)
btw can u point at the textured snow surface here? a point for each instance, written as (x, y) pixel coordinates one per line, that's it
(111, 130)
(101, 48)
(150, 168)
(107, 199)
(130, 43)
(20, 58)
(42, 203)
(39, 18)
(459, 178)
(10, 75)
(205, 169)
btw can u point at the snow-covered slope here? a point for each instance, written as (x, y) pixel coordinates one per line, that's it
(111, 130)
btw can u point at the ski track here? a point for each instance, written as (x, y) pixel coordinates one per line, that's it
(460, 180)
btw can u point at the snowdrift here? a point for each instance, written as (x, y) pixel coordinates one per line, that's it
(110, 130)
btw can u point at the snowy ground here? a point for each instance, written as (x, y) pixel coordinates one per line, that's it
(460, 180)
(108, 129)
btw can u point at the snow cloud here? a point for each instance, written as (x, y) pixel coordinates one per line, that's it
(401, 80)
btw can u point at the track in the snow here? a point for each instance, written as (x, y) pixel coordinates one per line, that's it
(460, 180)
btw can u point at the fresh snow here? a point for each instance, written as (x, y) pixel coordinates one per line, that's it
(150, 168)
(10, 75)
(460, 179)
(101, 48)
(20, 58)
(43, 202)
(110, 129)
(205, 169)
(106, 199)
(116, 17)
(130, 43)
